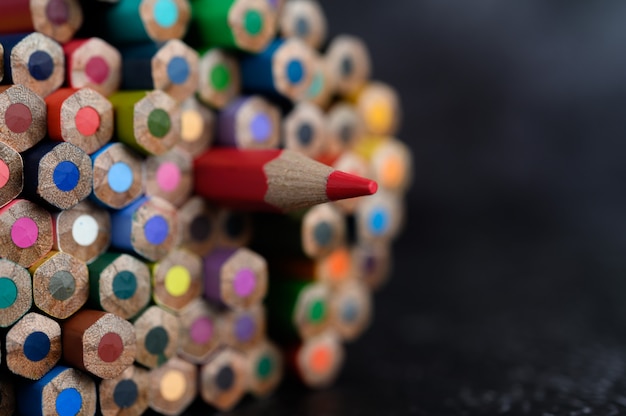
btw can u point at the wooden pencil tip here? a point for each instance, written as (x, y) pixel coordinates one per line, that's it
(343, 185)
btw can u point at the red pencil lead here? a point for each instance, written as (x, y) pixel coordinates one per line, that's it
(343, 185)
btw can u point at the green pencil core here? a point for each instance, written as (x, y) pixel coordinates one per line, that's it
(317, 311)
(264, 367)
(220, 77)
(253, 22)
(159, 123)
(8, 292)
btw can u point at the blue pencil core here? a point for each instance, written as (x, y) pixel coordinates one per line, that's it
(323, 233)
(349, 312)
(261, 127)
(165, 13)
(156, 230)
(36, 346)
(66, 176)
(120, 177)
(379, 222)
(125, 394)
(178, 70)
(295, 71)
(40, 65)
(302, 27)
(69, 402)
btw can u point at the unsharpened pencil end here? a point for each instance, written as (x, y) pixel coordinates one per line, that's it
(343, 185)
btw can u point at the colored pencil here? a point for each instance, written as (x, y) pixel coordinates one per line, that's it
(126, 394)
(304, 19)
(60, 284)
(272, 180)
(265, 368)
(57, 175)
(234, 277)
(117, 176)
(63, 391)
(11, 174)
(296, 308)
(157, 333)
(1, 62)
(224, 379)
(197, 127)
(317, 361)
(247, 25)
(148, 227)
(350, 309)
(350, 63)
(283, 69)
(220, 78)
(98, 342)
(322, 87)
(33, 60)
(93, 63)
(84, 231)
(372, 263)
(120, 284)
(378, 106)
(200, 331)
(350, 162)
(232, 228)
(177, 279)
(30, 235)
(7, 394)
(149, 122)
(345, 128)
(197, 225)
(58, 19)
(24, 115)
(172, 387)
(390, 162)
(146, 20)
(169, 176)
(33, 346)
(82, 117)
(171, 67)
(313, 233)
(380, 217)
(17, 292)
(304, 130)
(243, 328)
(249, 123)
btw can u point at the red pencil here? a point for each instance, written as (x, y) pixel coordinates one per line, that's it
(272, 180)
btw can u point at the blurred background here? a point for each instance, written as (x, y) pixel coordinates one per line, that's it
(508, 295)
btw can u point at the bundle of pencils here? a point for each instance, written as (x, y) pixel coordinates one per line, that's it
(186, 201)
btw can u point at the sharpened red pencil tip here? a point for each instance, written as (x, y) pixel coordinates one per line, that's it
(343, 185)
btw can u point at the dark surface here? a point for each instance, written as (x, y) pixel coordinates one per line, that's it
(510, 280)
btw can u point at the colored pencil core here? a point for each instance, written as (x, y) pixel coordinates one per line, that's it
(342, 185)
(317, 84)
(159, 123)
(87, 121)
(24, 232)
(392, 172)
(323, 233)
(178, 70)
(225, 378)
(124, 285)
(235, 225)
(261, 127)
(125, 394)
(177, 280)
(36, 346)
(156, 340)
(338, 263)
(305, 134)
(321, 360)
(295, 71)
(57, 11)
(201, 330)
(245, 328)
(18, 118)
(191, 125)
(85, 230)
(220, 77)
(345, 133)
(66, 176)
(200, 228)
(379, 222)
(165, 13)
(110, 347)
(4, 173)
(350, 311)
(68, 402)
(346, 66)
(173, 385)
(244, 282)
(302, 27)
(62, 285)
(168, 176)
(253, 22)
(264, 367)
(156, 230)
(317, 311)
(40, 65)
(120, 177)
(97, 69)
(8, 292)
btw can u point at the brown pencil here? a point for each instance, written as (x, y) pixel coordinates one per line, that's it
(60, 284)
(197, 127)
(173, 387)
(197, 225)
(157, 333)
(26, 232)
(200, 331)
(126, 394)
(169, 176)
(7, 393)
(265, 368)
(304, 130)
(99, 342)
(33, 346)
(177, 279)
(224, 379)
(17, 292)
(117, 175)
(24, 115)
(11, 174)
(350, 62)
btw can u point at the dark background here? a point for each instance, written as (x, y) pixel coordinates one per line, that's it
(509, 290)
